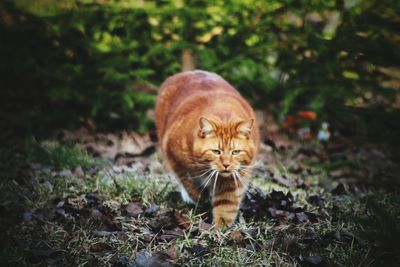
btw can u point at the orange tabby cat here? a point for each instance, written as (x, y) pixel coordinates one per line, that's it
(209, 137)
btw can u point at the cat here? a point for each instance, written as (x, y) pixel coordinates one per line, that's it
(209, 137)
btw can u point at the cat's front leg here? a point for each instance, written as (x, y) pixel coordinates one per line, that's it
(191, 192)
(226, 202)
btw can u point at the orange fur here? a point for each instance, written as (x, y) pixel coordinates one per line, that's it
(209, 137)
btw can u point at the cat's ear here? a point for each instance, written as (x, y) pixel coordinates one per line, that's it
(244, 127)
(205, 127)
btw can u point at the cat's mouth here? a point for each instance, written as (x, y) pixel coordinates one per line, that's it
(225, 173)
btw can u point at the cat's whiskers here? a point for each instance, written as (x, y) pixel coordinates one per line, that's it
(202, 169)
(208, 179)
(215, 183)
(202, 174)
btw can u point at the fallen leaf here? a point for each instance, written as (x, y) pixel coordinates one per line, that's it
(172, 252)
(168, 235)
(111, 146)
(163, 221)
(204, 225)
(292, 123)
(272, 133)
(310, 115)
(312, 261)
(111, 225)
(134, 209)
(96, 214)
(277, 205)
(279, 199)
(182, 219)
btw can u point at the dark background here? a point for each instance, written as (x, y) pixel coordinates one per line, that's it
(66, 61)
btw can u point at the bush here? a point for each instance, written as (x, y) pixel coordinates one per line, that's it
(68, 60)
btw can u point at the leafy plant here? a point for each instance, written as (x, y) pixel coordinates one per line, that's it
(72, 59)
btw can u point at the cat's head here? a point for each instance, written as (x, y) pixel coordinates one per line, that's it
(226, 147)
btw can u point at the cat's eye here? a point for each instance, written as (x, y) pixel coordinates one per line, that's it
(216, 151)
(235, 152)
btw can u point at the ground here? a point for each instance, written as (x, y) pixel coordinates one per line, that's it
(310, 203)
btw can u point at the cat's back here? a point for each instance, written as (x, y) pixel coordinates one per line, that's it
(188, 91)
(184, 85)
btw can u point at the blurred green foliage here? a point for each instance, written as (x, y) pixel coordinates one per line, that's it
(62, 156)
(66, 60)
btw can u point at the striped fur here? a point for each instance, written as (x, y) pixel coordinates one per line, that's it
(209, 137)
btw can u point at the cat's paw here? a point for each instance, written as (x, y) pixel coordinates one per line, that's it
(222, 223)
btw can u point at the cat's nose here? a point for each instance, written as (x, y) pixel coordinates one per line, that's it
(226, 165)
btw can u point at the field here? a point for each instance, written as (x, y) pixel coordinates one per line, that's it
(309, 204)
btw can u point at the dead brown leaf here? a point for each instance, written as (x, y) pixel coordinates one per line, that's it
(134, 209)
(182, 219)
(110, 146)
(172, 252)
(204, 225)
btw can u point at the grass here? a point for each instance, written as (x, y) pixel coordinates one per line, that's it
(48, 219)
(61, 156)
